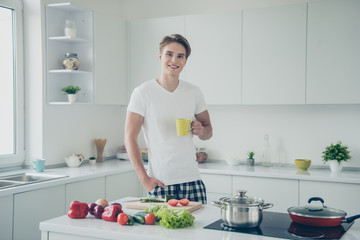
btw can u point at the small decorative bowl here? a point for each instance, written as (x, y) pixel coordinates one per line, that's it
(232, 161)
(302, 164)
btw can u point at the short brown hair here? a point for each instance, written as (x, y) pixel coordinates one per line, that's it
(178, 39)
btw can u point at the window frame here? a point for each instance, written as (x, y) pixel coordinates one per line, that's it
(19, 157)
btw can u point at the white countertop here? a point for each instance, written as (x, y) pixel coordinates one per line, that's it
(100, 229)
(221, 167)
(87, 171)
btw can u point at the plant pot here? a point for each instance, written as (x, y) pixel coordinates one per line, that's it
(92, 161)
(335, 166)
(250, 162)
(72, 98)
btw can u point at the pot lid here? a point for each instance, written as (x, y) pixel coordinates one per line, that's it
(242, 199)
(315, 210)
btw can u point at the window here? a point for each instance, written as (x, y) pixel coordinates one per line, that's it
(12, 84)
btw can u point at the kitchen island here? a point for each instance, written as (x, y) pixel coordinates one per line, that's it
(91, 228)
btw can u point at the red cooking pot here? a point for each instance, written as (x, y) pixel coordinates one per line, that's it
(320, 216)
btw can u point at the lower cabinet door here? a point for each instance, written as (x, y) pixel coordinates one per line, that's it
(6, 217)
(87, 191)
(122, 185)
(283, 193)
(344, 196)
(64, 236)
(30, 208)
(212, 197)
(217, 186)
(217, 183)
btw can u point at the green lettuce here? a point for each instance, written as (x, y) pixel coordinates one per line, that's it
(153, 208)
(172, 218)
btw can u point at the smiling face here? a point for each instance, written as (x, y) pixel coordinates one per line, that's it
(173, 59)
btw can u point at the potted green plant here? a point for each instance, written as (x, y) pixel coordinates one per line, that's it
(71, 92)
(251, 160)
(336, 154)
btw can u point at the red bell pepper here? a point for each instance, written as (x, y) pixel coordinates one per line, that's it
(111, 212)
(78, 209)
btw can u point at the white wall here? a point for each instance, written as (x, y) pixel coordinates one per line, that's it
(73, 130)
(295, 131)
(33, 79)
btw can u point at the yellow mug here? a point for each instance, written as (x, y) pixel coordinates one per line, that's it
(183, 126)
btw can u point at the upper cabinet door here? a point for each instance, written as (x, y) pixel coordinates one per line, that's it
(145, 36)
(274, 47)
(111, 73)
(215, 61)
(333, 66)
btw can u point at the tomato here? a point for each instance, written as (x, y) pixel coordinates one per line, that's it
(122, 218)
(150, 219)
(173, 202)
(184, 202)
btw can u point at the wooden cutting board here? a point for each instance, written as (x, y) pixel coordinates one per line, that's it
(141, 206)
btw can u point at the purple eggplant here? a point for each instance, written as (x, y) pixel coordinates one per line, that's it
(92, 208)
(98, 210)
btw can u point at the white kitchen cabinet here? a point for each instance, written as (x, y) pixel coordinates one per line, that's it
(111, 75)
(6, 217)
(30, 208)
(57, 44)
(344, 196)
(122, 185)
(144, 38)
(217, 186)
(274, 47)
(283, 193)
(85, 191)
(215, 61)
(64, 236)
(333, 52)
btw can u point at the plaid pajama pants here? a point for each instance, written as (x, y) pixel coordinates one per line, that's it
(194, 191)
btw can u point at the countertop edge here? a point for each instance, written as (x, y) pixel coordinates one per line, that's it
(110, 167)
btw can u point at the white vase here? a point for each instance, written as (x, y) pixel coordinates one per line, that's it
(335, 166)
(72, 98)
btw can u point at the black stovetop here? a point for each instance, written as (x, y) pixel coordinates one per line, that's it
(280, 225)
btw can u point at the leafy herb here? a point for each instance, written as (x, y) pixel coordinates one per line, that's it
(150, 199)
(168, 197)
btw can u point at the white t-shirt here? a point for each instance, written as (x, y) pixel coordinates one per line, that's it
(172, 158)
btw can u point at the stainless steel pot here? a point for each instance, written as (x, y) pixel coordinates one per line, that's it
(242, 211)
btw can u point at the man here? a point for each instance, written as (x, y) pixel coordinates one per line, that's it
(154, 106)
